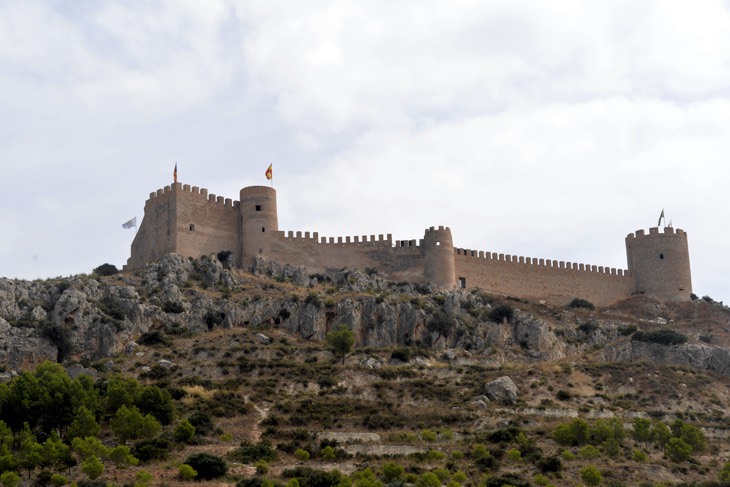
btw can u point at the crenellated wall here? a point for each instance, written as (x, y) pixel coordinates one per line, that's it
(402, 262)
(556, 282)
(189, 221)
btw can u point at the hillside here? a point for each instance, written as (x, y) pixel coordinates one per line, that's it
(248, 352)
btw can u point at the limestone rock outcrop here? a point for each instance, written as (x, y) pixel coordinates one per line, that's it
(502, 390)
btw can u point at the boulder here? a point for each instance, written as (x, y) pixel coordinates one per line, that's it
(502, 391)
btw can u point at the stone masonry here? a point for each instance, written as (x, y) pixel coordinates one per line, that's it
(188, 221)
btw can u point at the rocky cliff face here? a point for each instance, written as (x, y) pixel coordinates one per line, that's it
(83, 319)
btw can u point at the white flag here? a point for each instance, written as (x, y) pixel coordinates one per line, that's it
(131, 223)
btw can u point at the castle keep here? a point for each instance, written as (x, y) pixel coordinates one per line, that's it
(188, 221)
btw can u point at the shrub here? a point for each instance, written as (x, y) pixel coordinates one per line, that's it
(441, 323)
(213, 318)
(402, 354)
(588, 327)
(309, 477)
(154, 449)
(208, 466)
(626, 330)
(581, 303)
(502, 313)
(562, 395)
(589, 452)
(186, 472)
(152, 338)
(172, 307)
(590, 475)
(550, 464)
(184, 431)
(663, 336)
(106, 270)
(202, 422)
(253, 452)
(223, 255)
(301, 454)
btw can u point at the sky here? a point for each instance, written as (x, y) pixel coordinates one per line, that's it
(548, 130)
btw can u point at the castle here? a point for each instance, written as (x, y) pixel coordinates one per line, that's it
(188, 221)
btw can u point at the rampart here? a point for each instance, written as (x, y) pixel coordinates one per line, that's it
(189, 221)
(542, 279)
(399, 260)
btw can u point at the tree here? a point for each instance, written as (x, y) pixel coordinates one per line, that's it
(92, 467)
(693, 436)
(30, 455)
(365, 478)
(660, 434)
(83, 425)
(90, 447)
(392, 471)
(157, 402)
(130, 424)
(121, 457)
(341, 341)
(677, 450)
(590, 475)
(428, 479)
(56, 452)
(642, 431)
(55, 403)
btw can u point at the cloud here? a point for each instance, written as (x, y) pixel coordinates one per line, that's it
(545, 130)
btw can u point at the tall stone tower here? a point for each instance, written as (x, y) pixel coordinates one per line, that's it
(439, 268)
(259, 218)
(659, 263)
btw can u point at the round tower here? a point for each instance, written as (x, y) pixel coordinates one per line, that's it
(259, 219)
(659, 263)
(439, 268)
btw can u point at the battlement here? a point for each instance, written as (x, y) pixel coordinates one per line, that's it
(540, 263)
(188, 220)
(364, 240)
(654, 232)
(194, 190)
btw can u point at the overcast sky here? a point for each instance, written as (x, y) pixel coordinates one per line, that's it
(548, 130)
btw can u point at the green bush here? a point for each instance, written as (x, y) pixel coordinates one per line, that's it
(208, 466)
(581, 303)
(253, 452)
(402, 354)
(663, 336)
(152, 338)
(106, 270)
(186, 472)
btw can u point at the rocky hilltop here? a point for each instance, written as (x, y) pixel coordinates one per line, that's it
(84, 319)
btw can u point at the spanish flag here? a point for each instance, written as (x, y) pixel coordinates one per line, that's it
(174, 174)
(270, 172)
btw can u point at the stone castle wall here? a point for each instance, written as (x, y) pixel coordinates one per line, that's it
(541, 279)
(190, 222)
(402, 262)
